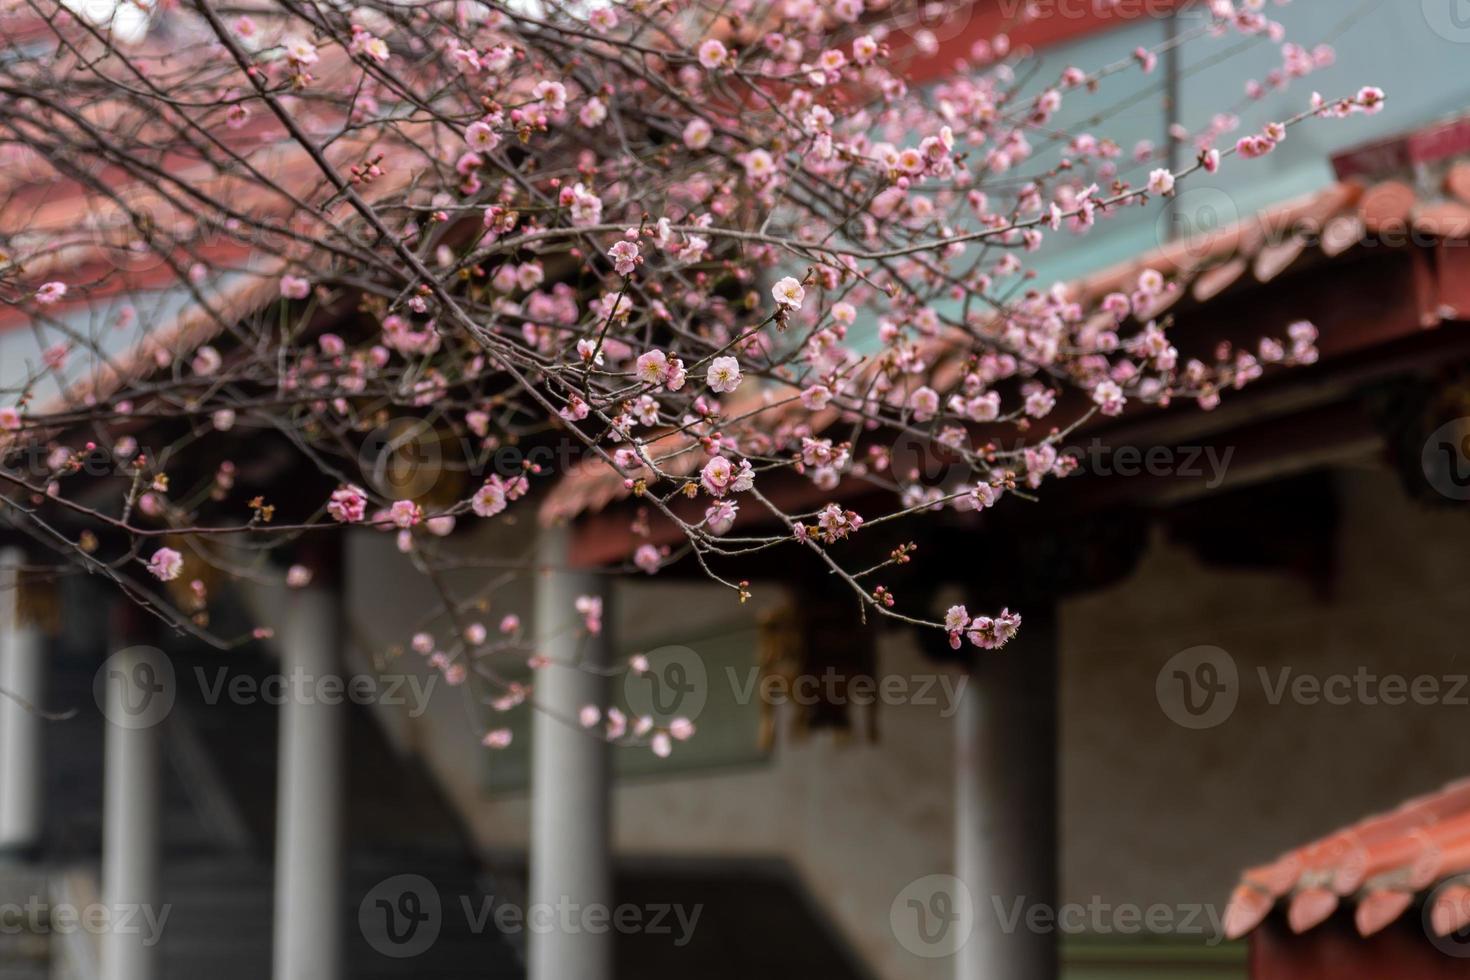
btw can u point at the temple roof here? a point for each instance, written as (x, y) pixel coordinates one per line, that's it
(1383, 864)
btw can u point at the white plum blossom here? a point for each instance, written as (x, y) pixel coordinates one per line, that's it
(697, 134)
(652, 367)
(300, 51)
(720, 517)
(724, 374)
(789, 293)
(925, 403)
(1109, 397)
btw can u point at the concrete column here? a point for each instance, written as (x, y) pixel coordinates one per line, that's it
(311, 791)
(1006, 804)
(22, 681)
(132, 808)
(571, 774)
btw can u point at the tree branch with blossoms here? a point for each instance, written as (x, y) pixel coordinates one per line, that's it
(716, 247)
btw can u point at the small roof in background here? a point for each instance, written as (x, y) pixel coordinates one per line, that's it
(1383, 865)
(133, 312)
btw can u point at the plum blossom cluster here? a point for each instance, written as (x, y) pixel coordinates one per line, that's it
(730, 252)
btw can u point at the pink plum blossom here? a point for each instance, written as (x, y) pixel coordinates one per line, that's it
(405, 513)
(166, 564)
(50, 292)
(348, 504)
(712, 54)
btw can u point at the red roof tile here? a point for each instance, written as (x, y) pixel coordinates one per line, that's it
(1382, 864)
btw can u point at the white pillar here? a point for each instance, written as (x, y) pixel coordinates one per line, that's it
(131, 811)
(309, 824)
(22, 678)
(1006, 805)
(571, 773)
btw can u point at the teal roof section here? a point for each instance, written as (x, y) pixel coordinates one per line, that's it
(1416, 51)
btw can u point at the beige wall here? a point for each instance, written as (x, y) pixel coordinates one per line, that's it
(1151, 812)
(1152, 809)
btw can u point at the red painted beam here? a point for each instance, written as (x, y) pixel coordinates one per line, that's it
(1054, 22)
